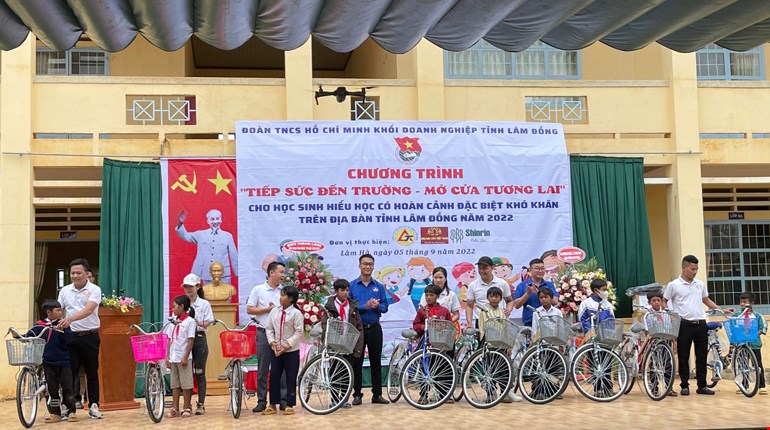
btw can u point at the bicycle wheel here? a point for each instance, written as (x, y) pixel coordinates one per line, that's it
(746, 369)
(629, 353)
(325, 384)
(236, 388)
(714, 367)
(461, 357)
(395, 366)
(154, 392)
(27, 396)
(486, 378)
(599, 373)
(542, 375)
(427, 379)
(658, 371)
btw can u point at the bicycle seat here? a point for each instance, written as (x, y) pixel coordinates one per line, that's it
(470, 331)
(526, 331)
(577, 328)
(636, 327)
(316, 331)
(408, 333)
(713, 325)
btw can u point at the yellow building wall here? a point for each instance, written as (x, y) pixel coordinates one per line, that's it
(135, 60)
(658, 222)
(601, 62)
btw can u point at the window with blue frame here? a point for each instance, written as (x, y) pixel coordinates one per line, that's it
(540, 61)
(717, 63)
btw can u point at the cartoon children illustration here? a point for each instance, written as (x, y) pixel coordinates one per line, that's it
(503, 269)
(464, 273)
(553, 265)
(391, 277)
(419, 270)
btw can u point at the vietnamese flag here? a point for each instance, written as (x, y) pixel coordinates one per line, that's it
(408, 144)
(201, 220)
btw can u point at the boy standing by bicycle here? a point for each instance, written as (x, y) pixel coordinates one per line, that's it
(747, 303)
(341, 306)
(56, 363)
(655, 301)
(546, 309)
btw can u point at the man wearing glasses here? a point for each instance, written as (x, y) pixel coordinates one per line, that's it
(526, 292)
(372, 299)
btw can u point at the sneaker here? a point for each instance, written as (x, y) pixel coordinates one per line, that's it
(763, 391)
(357, 400)
(72, 418)
(282, 406)
(52, 419)
(78, 405)
(513, 396)
(200, 409)
(259, 408)
(268, 411)
(288, 411)
(93, 412)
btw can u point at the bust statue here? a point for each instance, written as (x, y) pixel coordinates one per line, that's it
(216, 291)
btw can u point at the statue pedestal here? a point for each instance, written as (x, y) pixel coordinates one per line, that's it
(117, 368)
(216, 364)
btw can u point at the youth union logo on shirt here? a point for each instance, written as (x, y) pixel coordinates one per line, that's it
(375, 290)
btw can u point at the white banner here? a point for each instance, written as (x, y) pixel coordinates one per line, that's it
(415, 195)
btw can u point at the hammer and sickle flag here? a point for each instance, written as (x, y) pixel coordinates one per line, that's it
(184, 184)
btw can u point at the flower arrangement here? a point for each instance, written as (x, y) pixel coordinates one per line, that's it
(119, 302)
(310, 310)
(310, 275)
(575, 285)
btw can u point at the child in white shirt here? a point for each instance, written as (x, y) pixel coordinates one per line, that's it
(284, 331)
(180, 354)
(545, 295)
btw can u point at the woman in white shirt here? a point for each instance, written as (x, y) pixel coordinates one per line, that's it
(447, 298)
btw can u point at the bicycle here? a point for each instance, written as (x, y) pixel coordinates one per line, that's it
(401, 353)
(542, 375)
(151, 349)
(596, 370)
(326, 380)
(237, 345)
(740, 332)
(429, 375)
(630, 350)
(487, 376)
(27, 352)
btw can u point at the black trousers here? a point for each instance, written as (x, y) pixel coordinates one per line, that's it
(373, 343)
(57, 377)
(689, 334)
(84, 350)
(758, 354)
(200, 354)
(285, 367)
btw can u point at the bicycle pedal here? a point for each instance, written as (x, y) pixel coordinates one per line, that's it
(222, 378)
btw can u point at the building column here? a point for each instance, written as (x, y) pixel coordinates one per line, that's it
(429, 64)
(684, 196)
(17, 214)
(299, 82)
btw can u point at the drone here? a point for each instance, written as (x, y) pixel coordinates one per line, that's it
(341, 93)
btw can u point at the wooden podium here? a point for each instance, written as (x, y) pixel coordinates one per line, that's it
(117, 368)
(216, 364)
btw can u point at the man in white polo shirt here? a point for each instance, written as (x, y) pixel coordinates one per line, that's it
(262, 299)
(686, 296)
(80, 301)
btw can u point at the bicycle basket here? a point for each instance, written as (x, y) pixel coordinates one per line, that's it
(500, 333)
(609, 332)
(742, 330)
(25, 351)
(553, 329)
(149, 347)
(663, 325)
(441, 333)
(342, 336)
(237, 344)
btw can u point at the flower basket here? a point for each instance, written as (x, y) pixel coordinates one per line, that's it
(574, 285)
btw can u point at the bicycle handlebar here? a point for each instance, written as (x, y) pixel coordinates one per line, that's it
(253, 321)
(139, 328)
(719, 311)
(18, 335)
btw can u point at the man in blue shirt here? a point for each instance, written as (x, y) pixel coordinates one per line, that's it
(372, 299)
(526, 292)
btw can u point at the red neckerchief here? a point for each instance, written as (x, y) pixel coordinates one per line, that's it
(283, 319)
(342, 306)
(180, 318)
(433, 310)
(44, 323)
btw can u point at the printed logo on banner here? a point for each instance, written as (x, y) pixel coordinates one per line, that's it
(304, 246)
(409, 149)
(404, 236)
(434, 235)
(456, 235)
